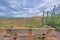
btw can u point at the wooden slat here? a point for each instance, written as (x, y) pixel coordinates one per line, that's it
(18, 31)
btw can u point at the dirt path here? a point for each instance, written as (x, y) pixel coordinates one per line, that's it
(52, 38)
(57, 34)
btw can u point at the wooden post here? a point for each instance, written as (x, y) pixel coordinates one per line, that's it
(15, 36)
(10, 32)
(49, 33)
(2, 31)
(30, 33)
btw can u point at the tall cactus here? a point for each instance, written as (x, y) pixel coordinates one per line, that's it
(53, 12)
(43, 19)
(47, 14)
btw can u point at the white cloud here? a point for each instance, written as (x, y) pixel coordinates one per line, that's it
(2, 14)
(16, 4)
(19, 13)
(49, 8)
(51, 4)
(40, 14)
(2, 7)
(47, 4)
(19, 16)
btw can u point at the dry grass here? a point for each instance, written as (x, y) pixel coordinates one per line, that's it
(21, 22)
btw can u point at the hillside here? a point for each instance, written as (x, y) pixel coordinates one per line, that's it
(20, 22)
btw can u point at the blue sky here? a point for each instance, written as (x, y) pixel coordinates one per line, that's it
(27, 8)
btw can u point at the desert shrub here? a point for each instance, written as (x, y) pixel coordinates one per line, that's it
(53, 21)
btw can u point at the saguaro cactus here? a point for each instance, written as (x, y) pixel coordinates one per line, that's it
(53, 12)
(47, 14)
(43, 19)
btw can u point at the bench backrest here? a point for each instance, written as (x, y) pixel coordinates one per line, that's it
(40, 31)
(26, 30)
(18, 31)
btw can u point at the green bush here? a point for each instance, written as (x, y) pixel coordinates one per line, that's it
(53, 21)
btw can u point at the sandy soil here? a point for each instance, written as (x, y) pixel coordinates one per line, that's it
(57, 34)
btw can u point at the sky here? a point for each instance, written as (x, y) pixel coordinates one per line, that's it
(27, 8)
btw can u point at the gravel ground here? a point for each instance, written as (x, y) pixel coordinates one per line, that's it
(57, 34)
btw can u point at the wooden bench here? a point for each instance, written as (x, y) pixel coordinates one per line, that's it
(29, 33)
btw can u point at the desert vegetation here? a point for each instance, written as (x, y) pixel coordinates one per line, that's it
(32, 22)
(21, 22)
